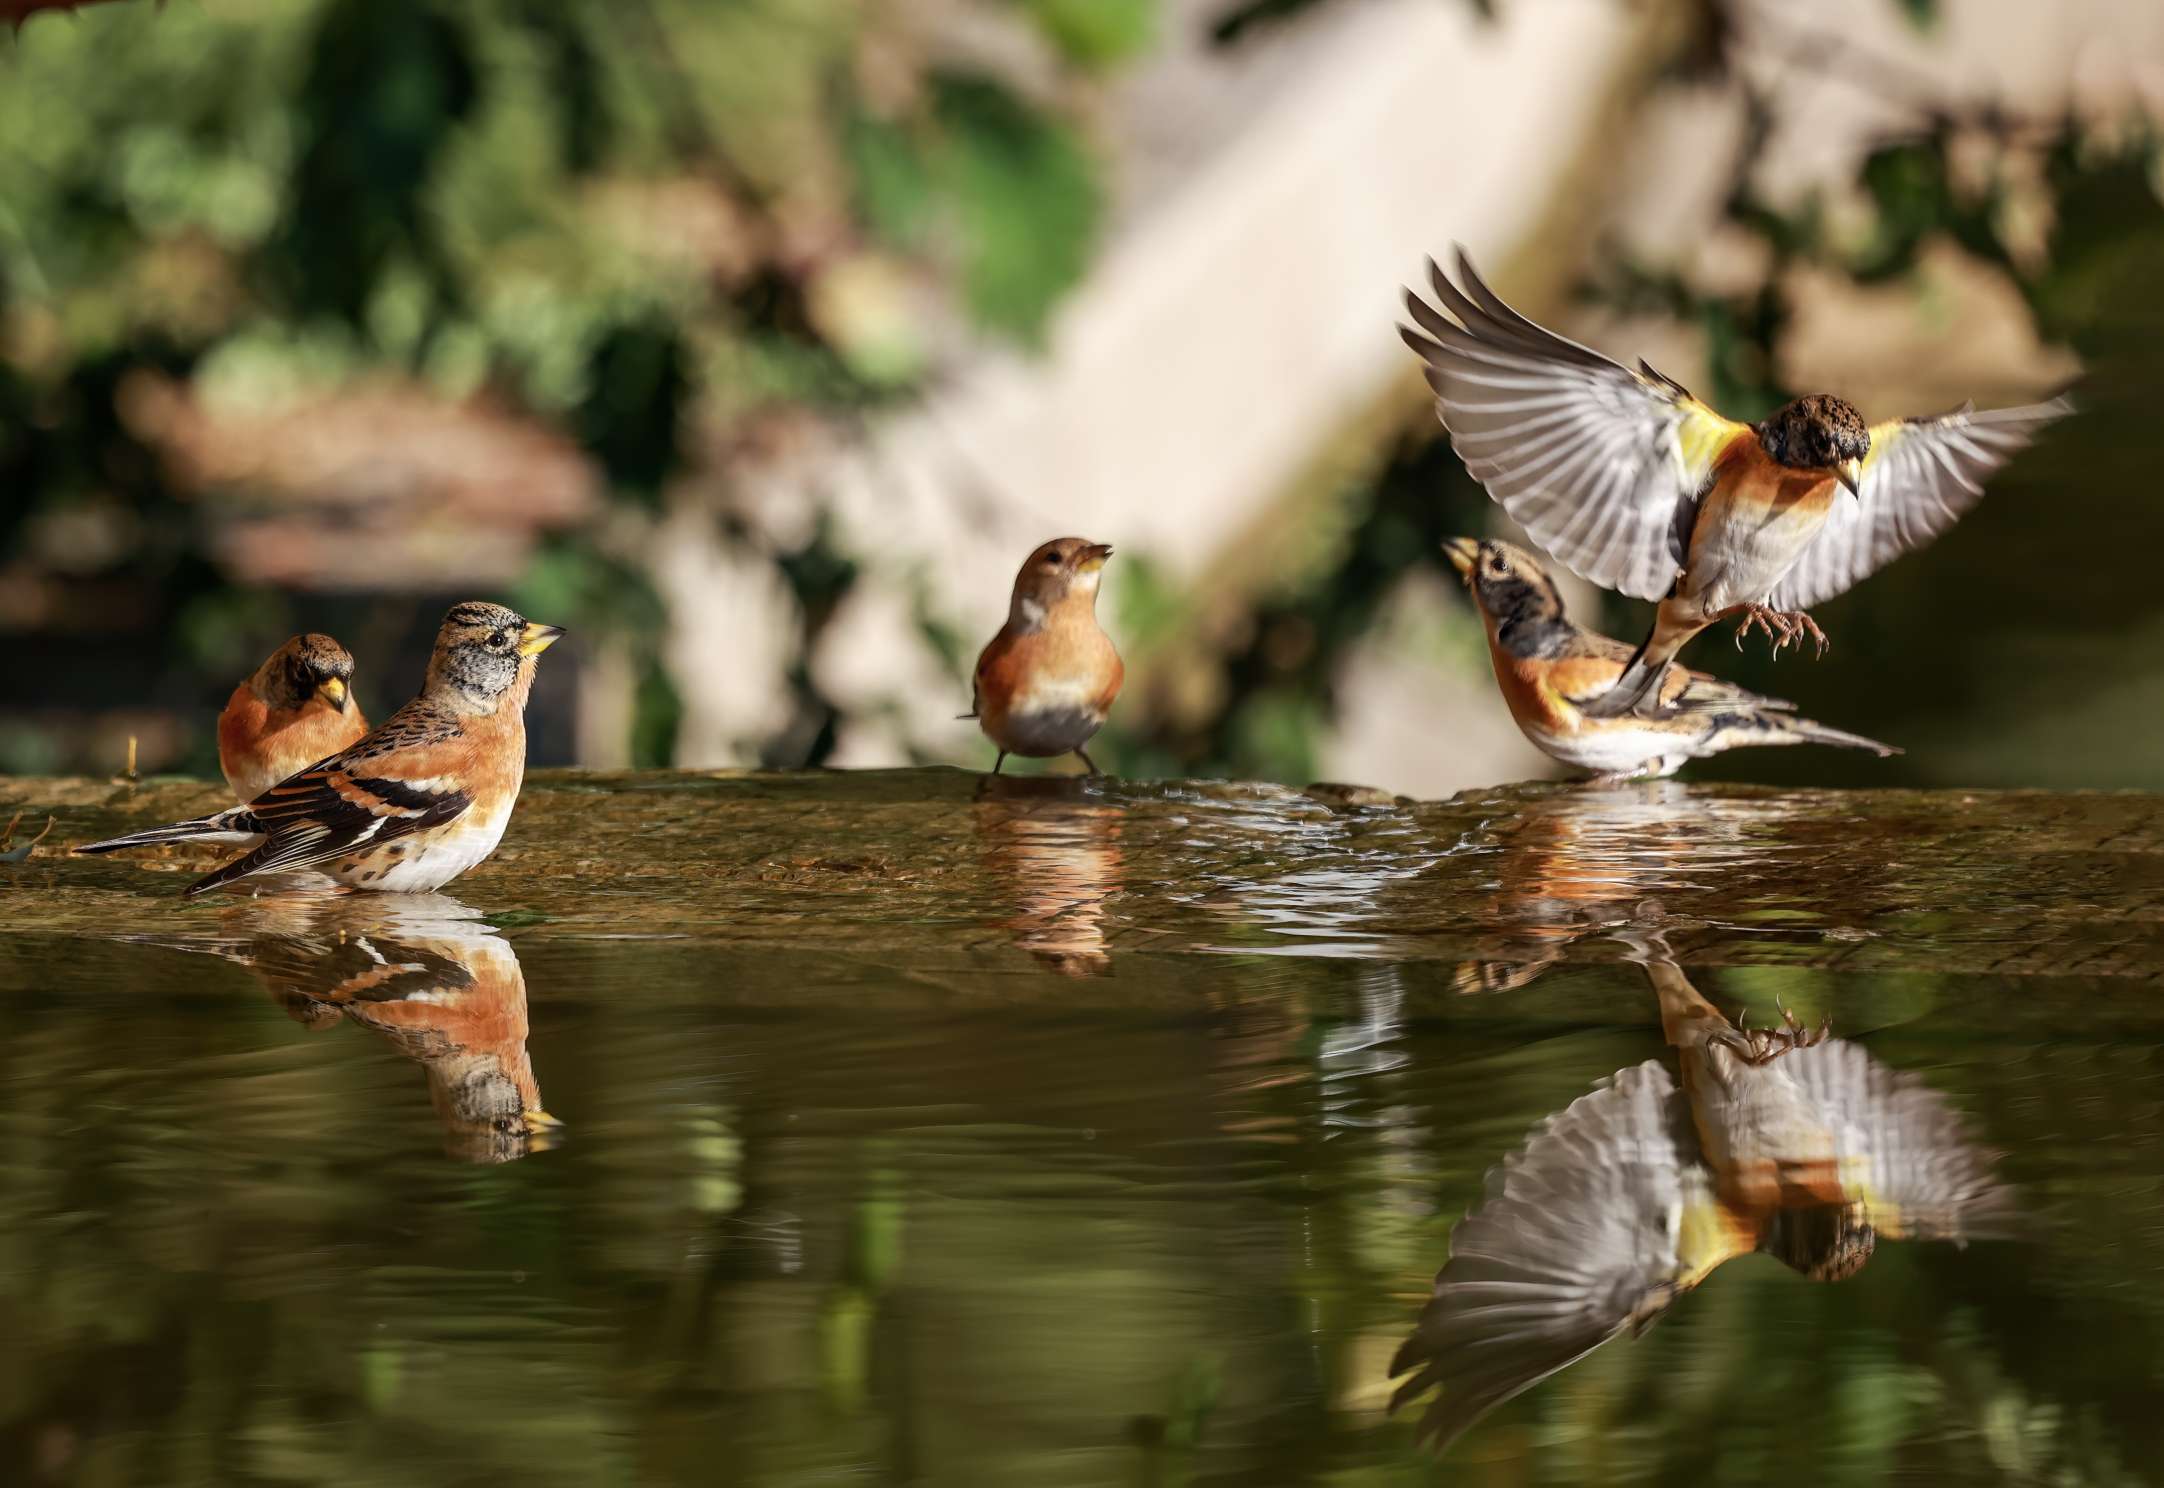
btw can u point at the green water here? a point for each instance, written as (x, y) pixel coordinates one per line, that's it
(913, 1128)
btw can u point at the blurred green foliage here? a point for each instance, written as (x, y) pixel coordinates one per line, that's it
(656, 226)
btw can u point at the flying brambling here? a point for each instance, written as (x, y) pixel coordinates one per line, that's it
(296, 709)
(1786, 1142)
(1552, 672)
(421, 798)
(1636, 485)
(1045, 683)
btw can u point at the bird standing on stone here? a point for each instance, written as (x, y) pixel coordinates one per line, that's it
(1634, 484)
(421, 798)
(296, 709)
(1045, 683)
(1551, 672)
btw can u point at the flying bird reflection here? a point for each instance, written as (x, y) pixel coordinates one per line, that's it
(1781, 1140)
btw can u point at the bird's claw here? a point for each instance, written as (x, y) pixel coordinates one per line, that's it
(1807, 626)
(1784, 628)
(1775, 624)
(1788, 1017)
(1763, 1045)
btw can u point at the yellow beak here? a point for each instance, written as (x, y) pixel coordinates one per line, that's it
(1850, 474)
(537, 638)
(1093, 557)
(1462, 552)
(333, 691)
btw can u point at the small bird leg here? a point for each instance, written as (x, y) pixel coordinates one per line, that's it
(1000, 761)
(1087, 763)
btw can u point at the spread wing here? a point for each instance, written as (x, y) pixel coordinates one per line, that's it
(1904, 1149)
(347, 802)
(1922, 474)
(1602, 466)
(1582, 1233)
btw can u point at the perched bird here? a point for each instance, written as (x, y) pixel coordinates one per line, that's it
(421, 798)
(296, 709)
(1046, 681)
(1636, 485)
(1781, 1141)
(1552, 672)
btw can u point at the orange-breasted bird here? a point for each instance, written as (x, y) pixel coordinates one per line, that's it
(421, 798)
(1634, 484)
(296, 709)
(1045, 683)
(1552, 672)
(1777, 1141)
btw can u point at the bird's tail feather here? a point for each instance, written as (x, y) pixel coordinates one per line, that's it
(1635, 687)
(237, 825)
(1637, 690)
(1808, 731)
(241, 867)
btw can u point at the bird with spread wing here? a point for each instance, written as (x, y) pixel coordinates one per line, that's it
(1782, 1141)
(1636, 485)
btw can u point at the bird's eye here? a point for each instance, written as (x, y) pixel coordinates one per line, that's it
(499, 640)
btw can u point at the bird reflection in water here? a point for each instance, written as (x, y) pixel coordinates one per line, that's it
(1582, 863)
(427, 973)
(1778, 1140)
(1061, 855)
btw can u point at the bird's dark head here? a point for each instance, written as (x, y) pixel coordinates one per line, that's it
(1829, 1242)
(308, 666)
(483, 652)
(1515, 596)
(1064, 568)
(1819, 432)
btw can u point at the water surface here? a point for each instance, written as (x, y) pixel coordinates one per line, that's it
(911, 1127)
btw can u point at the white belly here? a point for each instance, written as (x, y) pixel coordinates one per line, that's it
(1615, 751)
(431, 859)
(1741, 562)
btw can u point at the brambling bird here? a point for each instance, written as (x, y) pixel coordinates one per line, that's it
(1045, 683)
(1552, 672)
(1786, 1142)
(1636, 485)
(296, 709)
(421, 798)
